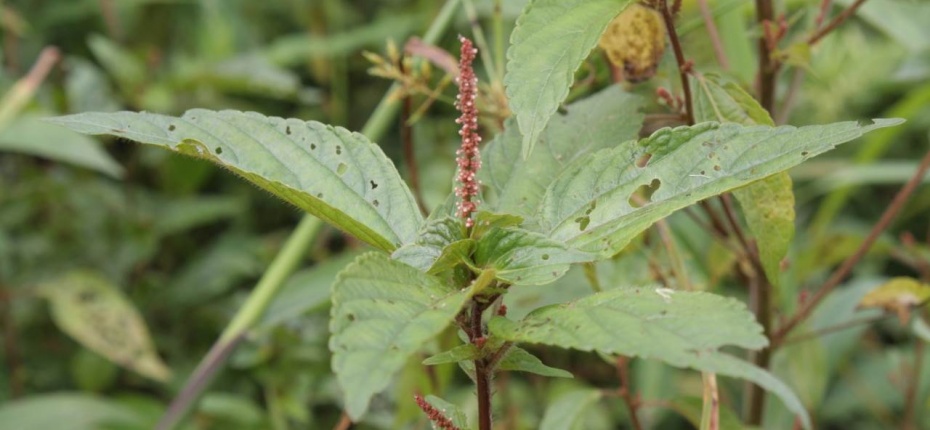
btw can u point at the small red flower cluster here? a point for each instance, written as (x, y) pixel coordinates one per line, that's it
(435, 415)
(467, 157)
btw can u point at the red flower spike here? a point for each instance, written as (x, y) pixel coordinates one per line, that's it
(435, 415)
(467, 157)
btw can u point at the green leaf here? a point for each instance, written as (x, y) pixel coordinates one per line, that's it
(383, 311)
(589, 208)
(96, 314)
(330, 172)
(767, 204)
(568, 412)
(524, 257)
(463, 352)
(518, 359)
(306, 290)
(597, 122)
(668, 325)
(450, 411)
(31, 136)
(74, 411)
(549, 42)
(681, 328)
(435, 236)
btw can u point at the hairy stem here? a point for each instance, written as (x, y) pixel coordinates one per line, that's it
(626, 391)
(482, 370)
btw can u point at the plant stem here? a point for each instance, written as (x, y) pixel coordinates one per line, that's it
(896, 205)
(714, 35)
(680, 58)
(813, 334)
(410, 156)
(283, 264)
(626, 391)
(767, 68)
(344, 422)
(710, 415)
(482, 371)
(834, 23)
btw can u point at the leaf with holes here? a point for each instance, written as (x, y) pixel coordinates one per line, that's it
(592, 206)
(383, 311)
(681, 328)
(339, 176)
(597, 122)
(768, 204)
(550, 40)
(524, 257)
(95, 313)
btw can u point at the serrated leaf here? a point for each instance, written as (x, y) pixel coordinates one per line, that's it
(383, 311)
(450, 411)
(681, 328)
(524, 257)
(339, 176)
(95, 313)
(550, 40)
(597, 122)
(568, 412)
(589, 207)
(639, 322)
(768, 204)
(519, 360)
(433, 238)
(898, 295)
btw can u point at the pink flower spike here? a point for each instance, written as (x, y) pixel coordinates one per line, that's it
(468, 157)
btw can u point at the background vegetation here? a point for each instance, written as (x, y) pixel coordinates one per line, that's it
(186, 242)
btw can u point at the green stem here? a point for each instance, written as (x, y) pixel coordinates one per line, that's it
(283, 264)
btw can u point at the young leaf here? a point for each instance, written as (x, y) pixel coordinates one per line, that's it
(330, 172)
(568, 412)
(383, 311)
(523, 257)
(95, 313)
(518, 359)
(589, 206)
(767, 204)
(681, 328)
(463, 352)
(549, 42)
(433, 238)
(597, 122)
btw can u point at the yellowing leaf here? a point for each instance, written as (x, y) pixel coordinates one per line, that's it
(96, 314)
(898, 295)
